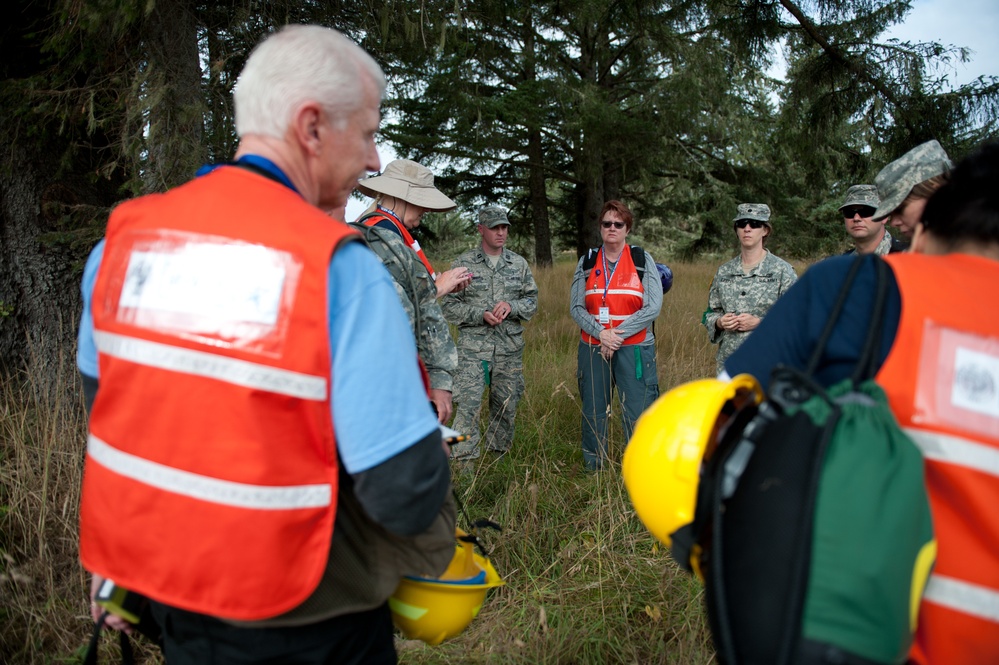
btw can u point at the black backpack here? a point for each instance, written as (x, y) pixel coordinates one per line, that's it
(812, 527)
(638, 258)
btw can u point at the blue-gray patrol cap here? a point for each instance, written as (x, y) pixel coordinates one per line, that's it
(896, 180)
(492, 216)
(760, 211)
(861, 195)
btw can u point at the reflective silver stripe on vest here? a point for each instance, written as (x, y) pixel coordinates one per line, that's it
(956, 450)
(617, 292)
(965, 597)
(206, 488)
(212, 366)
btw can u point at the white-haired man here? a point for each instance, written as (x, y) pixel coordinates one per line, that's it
(262, 462)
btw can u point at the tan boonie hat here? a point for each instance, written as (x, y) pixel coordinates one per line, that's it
(760, 211)
(896, 180)
(861, 195)
(408, 181)
(492, 216)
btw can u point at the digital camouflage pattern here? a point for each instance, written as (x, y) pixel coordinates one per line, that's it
(760, 211)
(489, 356)
(861, 195)
(733, 291)
(888, 245)
(419, 298)
(896, 180)
(884, 247)
(492, 216)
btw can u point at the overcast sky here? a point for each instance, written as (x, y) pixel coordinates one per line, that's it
(970, 23)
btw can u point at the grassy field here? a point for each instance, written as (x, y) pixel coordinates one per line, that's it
(584, 582)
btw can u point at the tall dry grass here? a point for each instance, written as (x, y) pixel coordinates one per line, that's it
(585, 582)
(43, 606)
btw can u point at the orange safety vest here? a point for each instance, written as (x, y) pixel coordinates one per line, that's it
(372, 219)
(942, 382)
(211, 471)
(623, 296)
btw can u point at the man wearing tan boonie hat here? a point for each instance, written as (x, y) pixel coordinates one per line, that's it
(407, 181)
(403, 192)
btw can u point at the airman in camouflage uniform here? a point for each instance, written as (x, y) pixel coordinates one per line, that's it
(489, 315)
(419, 298)
(737, 290)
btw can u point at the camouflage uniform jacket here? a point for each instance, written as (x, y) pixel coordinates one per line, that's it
(419, 298)
(511, 281)
(887, 245)
(735, 292)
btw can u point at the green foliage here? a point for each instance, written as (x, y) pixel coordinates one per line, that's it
(547, 108)
(663, 105)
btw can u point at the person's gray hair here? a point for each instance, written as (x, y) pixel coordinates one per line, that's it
(300, 63)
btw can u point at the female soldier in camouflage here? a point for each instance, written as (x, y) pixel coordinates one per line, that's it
(747, 286)
(907, 183)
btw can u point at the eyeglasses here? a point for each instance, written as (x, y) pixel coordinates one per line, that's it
(863, 211)
(616, 225)
(752, 223)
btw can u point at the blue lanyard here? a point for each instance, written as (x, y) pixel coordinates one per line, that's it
(608, 272)
(389, 212)
(258, 162)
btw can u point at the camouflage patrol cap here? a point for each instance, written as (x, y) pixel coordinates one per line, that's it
(760, 211)
(492, 216)
(896, 180)
(861, 195)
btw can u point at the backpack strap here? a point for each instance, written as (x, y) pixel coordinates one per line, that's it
(867, 362)
(638, 258)
(867, 366)
(844, 292)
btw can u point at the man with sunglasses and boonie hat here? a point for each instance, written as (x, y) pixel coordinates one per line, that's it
(868, 236)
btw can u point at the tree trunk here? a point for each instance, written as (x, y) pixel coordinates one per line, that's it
(589, 200)
(176, 105)
(39, 272)
(539, 200)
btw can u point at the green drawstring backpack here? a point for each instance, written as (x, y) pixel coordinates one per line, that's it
(813, 520)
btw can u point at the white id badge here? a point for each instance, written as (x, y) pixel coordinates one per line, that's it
(604, 316)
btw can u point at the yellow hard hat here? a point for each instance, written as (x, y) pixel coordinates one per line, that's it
(662, 462)
(435, 609)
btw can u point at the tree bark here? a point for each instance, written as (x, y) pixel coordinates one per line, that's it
(176, 106)
(539, 200)
(39, 272)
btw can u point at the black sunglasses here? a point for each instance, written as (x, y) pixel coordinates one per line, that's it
(863, 211)
(616, 225)
(753, 223)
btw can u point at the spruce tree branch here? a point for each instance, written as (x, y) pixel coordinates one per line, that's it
(837, 54)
